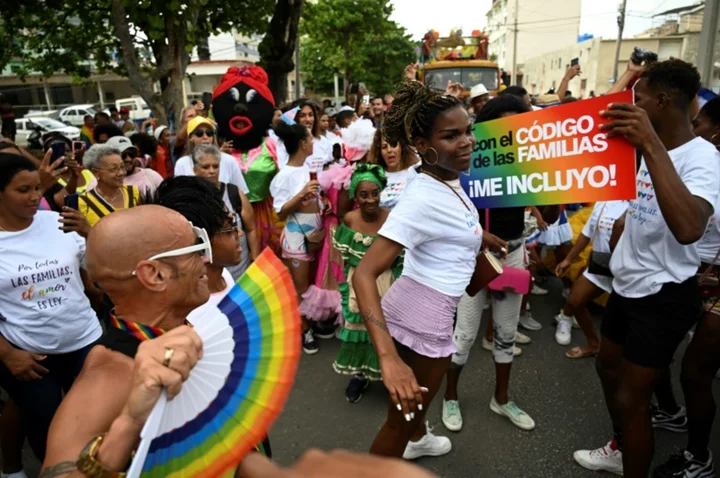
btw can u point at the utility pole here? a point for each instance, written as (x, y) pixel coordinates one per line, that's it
(618, 44)
(515, 42)
(708, 37)
(297, 69)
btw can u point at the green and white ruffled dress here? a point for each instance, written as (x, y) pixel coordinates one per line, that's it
(357, 356)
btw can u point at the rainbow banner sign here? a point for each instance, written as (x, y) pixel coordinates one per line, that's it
(553, 156)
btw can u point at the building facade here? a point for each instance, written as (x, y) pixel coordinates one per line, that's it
(676, 38)
(542, 27)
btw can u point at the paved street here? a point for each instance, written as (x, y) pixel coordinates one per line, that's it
(562, 395)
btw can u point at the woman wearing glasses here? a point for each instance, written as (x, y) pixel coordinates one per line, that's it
(206, 159)
(201, 131)
(144, 179)
(110, 193)
(47, 326)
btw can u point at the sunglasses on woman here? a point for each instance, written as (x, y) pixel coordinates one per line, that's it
(199, 133)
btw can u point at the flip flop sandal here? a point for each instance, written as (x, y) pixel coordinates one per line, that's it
(579, 353)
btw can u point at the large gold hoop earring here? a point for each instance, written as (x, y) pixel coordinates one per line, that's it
(437, 158)
(712, 140)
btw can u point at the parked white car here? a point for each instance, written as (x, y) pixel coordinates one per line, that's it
(139, 110)
(73, 115)
(25, 126)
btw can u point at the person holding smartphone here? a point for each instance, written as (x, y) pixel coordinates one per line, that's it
(295, 199)
(48, 325)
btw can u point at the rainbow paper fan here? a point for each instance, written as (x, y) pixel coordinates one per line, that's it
(251, 345)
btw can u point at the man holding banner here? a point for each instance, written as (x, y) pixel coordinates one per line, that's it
(655, 298)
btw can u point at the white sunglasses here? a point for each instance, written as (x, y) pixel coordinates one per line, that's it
(202, 244)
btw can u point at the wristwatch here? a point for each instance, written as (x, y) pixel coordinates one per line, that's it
(88, 465)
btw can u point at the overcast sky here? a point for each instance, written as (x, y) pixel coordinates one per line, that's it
(598, 17)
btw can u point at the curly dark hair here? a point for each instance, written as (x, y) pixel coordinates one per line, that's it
(518, 91)
(674, 75)
(711, 110)
(413, 112)
(500, 105)
(375, 153)
(108, 129)
(196, 198)
(145, 143)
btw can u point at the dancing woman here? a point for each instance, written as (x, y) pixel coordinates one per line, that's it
(438, 226)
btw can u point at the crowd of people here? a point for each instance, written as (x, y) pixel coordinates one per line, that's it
(110, 250)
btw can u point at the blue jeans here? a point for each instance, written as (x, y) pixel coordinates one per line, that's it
(38, 400)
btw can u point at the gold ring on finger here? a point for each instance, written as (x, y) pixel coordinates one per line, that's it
(169, 352)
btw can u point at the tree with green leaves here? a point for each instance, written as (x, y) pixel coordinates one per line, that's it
(148, 41)
(356, 40)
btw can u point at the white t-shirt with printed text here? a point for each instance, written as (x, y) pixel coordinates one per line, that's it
(604, 214)
(396, 184)
(43, 306)
(440, 232)
(648, 255)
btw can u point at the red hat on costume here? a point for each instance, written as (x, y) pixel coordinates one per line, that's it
(253, 76)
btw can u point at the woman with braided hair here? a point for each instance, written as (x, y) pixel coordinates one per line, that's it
(357, 356)
(437, 225)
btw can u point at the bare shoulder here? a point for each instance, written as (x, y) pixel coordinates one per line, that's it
(96, 398)
(351, 217)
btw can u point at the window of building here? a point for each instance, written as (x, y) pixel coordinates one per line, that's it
(559, 64)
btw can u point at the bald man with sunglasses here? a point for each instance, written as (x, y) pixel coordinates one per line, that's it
(155, 280)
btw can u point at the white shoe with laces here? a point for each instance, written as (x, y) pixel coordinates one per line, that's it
(561, 316)
(522, 339)
(428, 445)
(601, 459)
(513, 413)
(563, 332)
(537, 290)
(527, 322)
(451, 416)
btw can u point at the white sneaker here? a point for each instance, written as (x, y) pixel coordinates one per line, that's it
(528, 323)
(429, 445)
(601, 459)
(488, 345)
(537, 290)
(451, 416)
(513, 413)
(522, 339)
(563, 333)
(562, 316)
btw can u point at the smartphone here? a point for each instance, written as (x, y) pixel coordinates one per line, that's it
(313, 175)
(207, 100)
(366, 99)
(78, 146)
(71, 201)
(58, 150)
(575, 62)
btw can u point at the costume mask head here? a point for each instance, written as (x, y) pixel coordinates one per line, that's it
(243, 106)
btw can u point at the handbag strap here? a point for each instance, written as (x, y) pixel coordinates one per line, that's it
(710, 267)
(451, 188)
(487, 219)
(597, 224)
